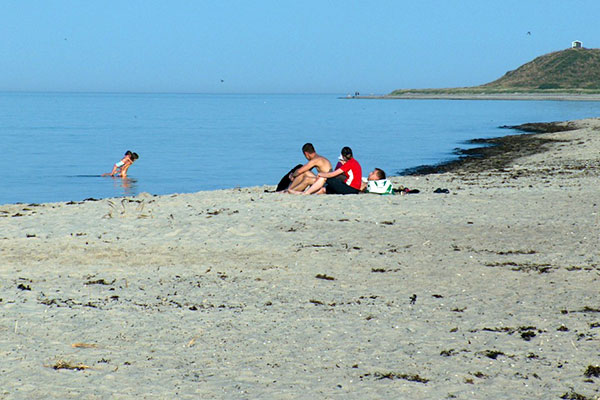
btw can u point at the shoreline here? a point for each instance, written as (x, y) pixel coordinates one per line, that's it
(488, 291)
(493, 152)
(497, 152)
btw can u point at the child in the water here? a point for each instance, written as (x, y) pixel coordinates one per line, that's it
(122, 166)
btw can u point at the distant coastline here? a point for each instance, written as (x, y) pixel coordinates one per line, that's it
(482, 96)
(566, 75)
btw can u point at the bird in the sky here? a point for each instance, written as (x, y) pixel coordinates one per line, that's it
(529, 33)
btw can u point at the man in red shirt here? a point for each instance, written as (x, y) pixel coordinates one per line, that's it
(349, 182)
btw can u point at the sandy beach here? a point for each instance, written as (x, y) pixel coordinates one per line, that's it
(489, 292)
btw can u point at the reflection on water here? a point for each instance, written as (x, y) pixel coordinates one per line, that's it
(125, 186)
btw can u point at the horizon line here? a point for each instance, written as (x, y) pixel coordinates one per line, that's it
(162, 92)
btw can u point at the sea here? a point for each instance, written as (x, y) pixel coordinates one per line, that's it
(55, 146)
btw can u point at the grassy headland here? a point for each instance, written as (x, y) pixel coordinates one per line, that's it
(569, 72)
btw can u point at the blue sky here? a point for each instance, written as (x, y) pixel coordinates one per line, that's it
(264, 46)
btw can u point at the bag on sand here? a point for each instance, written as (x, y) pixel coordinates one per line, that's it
(382, 186)
(285, 181)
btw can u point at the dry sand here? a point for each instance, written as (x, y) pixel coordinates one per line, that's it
(489, 292)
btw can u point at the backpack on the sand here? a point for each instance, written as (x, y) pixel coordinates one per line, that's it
(285, 181)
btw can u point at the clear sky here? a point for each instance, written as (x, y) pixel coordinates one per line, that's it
(279, 46)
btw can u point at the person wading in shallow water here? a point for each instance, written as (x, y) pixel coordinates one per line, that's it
(122, 166)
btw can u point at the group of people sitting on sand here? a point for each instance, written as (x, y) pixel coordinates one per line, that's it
(120, 168)
(345, 178)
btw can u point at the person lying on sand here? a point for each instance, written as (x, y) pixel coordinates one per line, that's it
(122, 166)
(344, 180)
(376, 183)
(303, 177)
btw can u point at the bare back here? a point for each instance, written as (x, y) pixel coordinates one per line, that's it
(321, 164)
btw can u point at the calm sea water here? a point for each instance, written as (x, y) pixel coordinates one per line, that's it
(56, 145)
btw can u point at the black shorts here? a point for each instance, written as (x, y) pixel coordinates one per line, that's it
(338, 186)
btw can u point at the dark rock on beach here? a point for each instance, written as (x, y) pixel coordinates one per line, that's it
(496, 153)
(542, 127)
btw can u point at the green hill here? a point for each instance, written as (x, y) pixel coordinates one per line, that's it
(570, 70)
(566, 69)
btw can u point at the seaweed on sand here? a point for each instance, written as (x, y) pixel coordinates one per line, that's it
(325, 277)
(62, 364)
(572, 395)
(592, 371)
(392, 375)
(493, 354)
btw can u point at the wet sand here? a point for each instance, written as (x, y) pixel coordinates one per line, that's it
(490, 291)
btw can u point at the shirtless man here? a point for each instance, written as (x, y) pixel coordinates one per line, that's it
(346, 179)
(303, 177)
